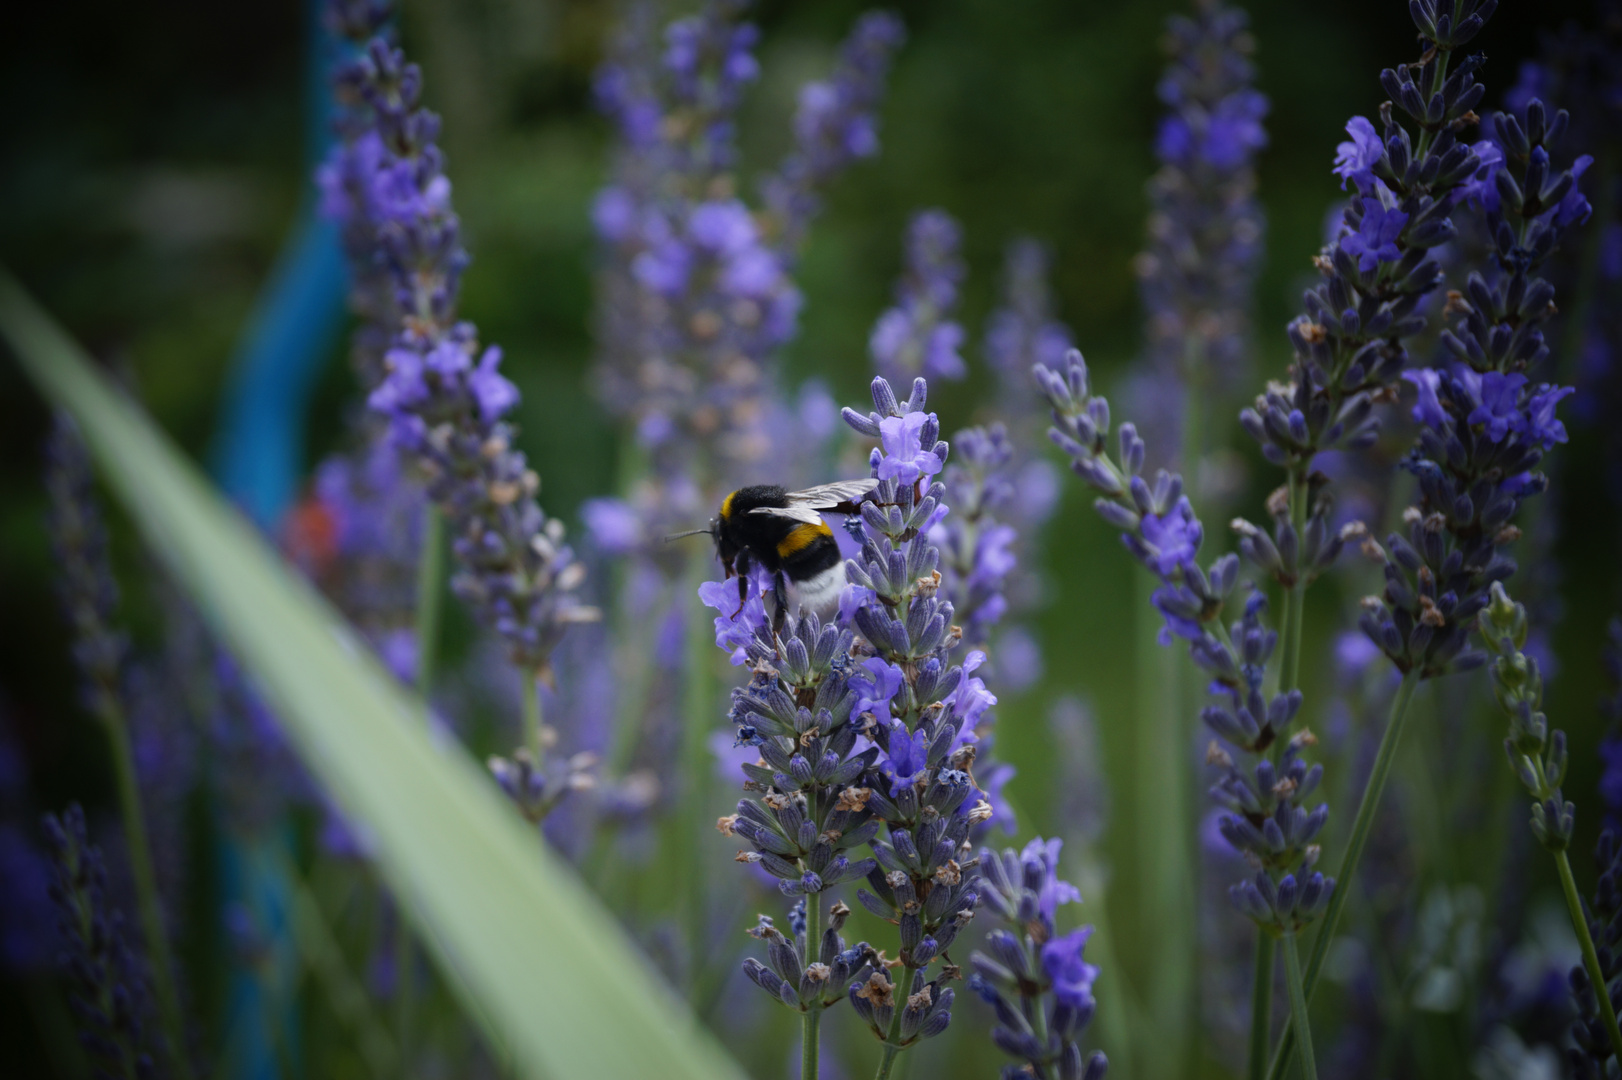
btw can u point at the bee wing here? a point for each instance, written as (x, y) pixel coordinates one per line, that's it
(828, 496)
(797, 512)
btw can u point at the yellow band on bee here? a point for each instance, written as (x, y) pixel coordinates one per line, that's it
(726, 507)
(800, 537)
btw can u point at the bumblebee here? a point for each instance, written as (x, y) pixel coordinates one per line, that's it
(783, 532)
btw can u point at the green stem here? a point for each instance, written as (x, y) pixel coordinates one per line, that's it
(812, 1019)
(700, 715)
(430, 585)
(324, 957)
(1298, 1007)
(1294, 625)
(1579, 923)
(1261, 1007)
(891, 1050)
(146, 884)
(1362, 825)
(532, 716)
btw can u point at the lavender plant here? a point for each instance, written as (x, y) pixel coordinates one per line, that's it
(444, 399)
(1021, 487)
(1267, 821)
(695, 298)
(1538, 758)
(1034, 978)
(917, 337)
(110, 990)
(1205, 225)
(89, 596)
(883, 674)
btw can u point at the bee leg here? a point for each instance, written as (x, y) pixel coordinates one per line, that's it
(743, 583)
(780, 599)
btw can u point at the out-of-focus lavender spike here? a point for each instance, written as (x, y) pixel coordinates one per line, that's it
(26, 914)
(917, 337)
(359, 536)
(108, 984)
(1033, 977)
(1021, 486)
(1023, 331)
(835, 125)
(85, 584)
(1205, 225)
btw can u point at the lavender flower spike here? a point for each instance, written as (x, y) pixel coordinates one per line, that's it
(1205, 225)
(1033, 977)
(1538, 758)
(917, 336)
(108, 986)
(836, 124)
(444, 398)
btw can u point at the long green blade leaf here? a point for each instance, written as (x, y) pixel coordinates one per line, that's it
(521, 939)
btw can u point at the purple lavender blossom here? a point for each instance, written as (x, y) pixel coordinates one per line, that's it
(1349, 345)
(977, 551)
(368, 513)
(108, 984)
(1021, 489)
(917, 336)
(835, 125)
(1375, 240)
(1034, 978)
(443, 398)
(85, 585)
(815, 695)
(1161, 530)
(1205, 226)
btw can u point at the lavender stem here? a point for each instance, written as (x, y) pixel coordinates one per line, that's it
(1596, 976)
(430, 585)
(1261, 1007)
(811, 1019)
(1298, 1006)
(532, 717)
(1295, 603)
(146, 883)
(1362, 825)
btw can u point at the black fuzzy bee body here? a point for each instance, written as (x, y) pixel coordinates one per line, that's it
(783, 532)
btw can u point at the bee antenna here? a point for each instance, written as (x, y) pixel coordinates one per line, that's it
(690, 532)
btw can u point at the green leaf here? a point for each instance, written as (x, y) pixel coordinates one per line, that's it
(529, 949)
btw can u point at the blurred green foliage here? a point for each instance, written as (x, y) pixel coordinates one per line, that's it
(153, 160)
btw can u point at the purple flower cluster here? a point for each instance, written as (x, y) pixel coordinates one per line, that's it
(108, 983)
(1582, 69)
(85, 584)
(1205, 225)
(977, 551)
(370, 511)
(1022, 332)
(867, 725)
(695, 291)
(443, 397)
(835, 125)
(917, 337)
(1379, 267)
(1025, 486)
(1160, 528)
(1034, 978)
(1484, 427)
